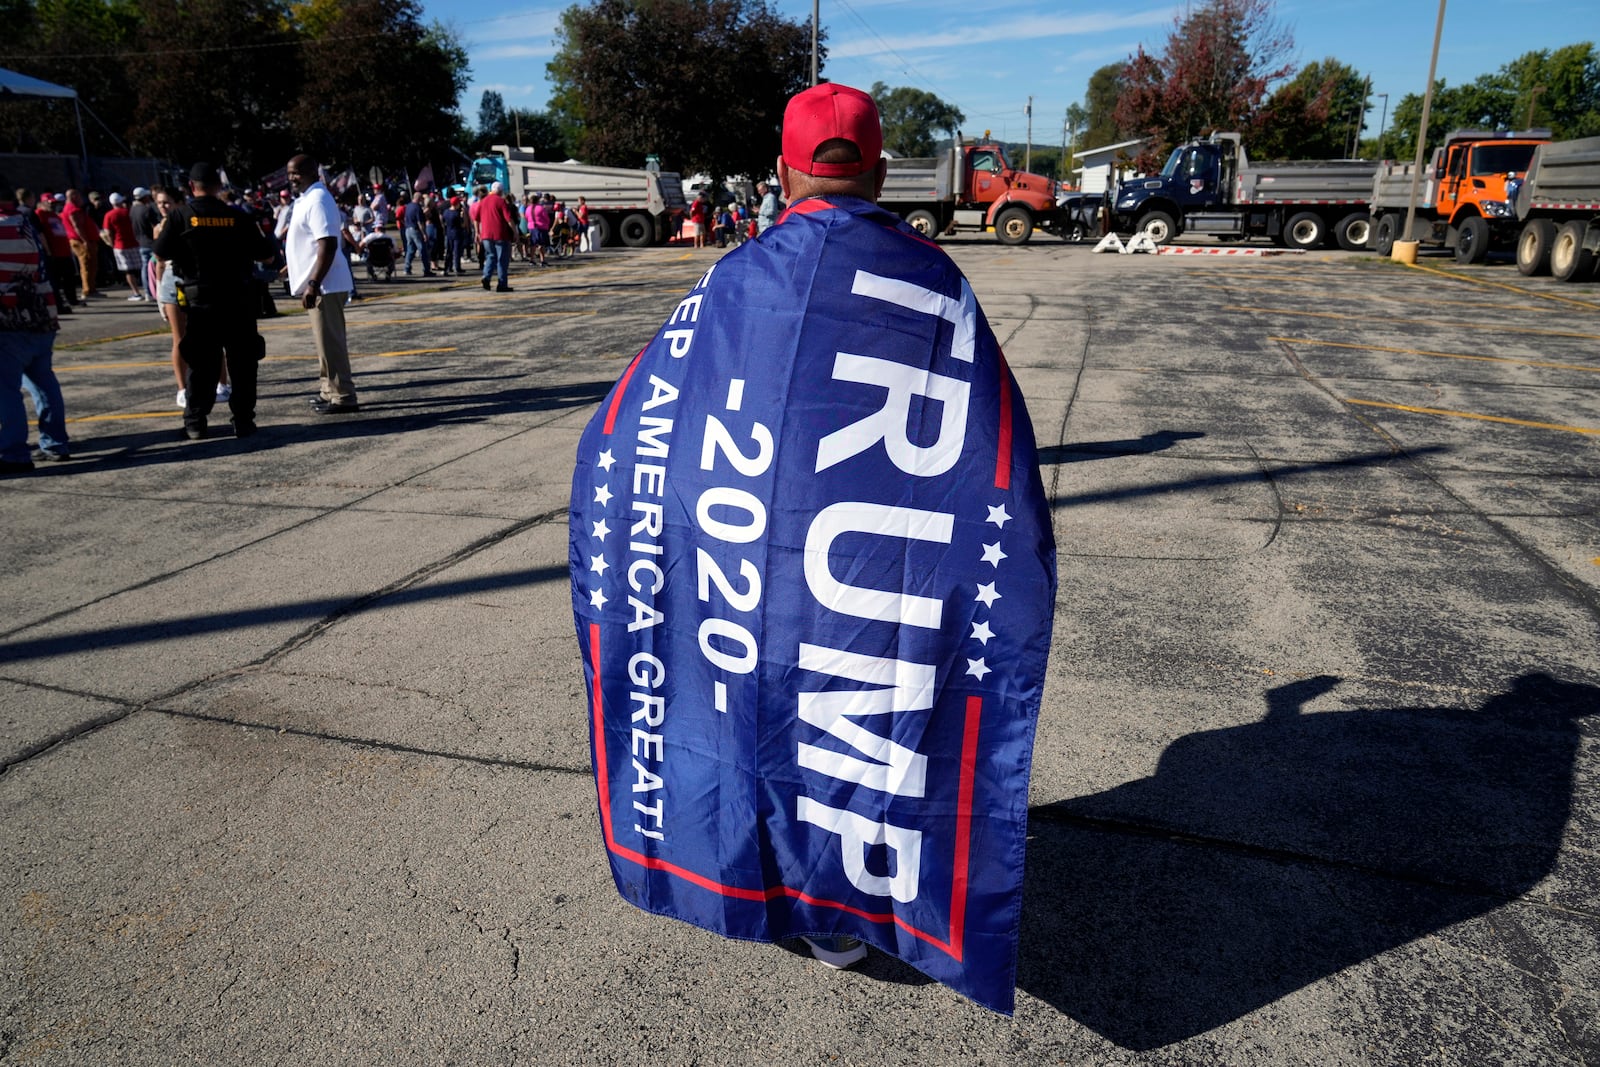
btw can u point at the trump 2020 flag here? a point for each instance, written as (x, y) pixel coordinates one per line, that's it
(812, 575)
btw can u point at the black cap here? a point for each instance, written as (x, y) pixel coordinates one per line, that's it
(205, 174)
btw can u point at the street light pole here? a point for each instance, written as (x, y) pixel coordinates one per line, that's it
(814, 16)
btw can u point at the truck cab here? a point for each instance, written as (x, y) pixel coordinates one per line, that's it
(1197, 178)
(1471, 170)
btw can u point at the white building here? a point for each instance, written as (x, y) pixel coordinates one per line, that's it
(1105, 166)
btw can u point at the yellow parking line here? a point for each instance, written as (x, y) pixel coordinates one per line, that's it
(1440, 355)
(174, 413)
(1411, 322)
(1502, 285)
(60, 367)
(1474, 415)
(353, 323)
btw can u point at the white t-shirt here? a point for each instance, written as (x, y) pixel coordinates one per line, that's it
(315, 216)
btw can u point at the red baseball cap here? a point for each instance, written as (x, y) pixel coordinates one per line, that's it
(826, 112)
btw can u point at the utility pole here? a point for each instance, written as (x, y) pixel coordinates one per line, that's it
(814, 16)
(1383, 124)
(1361, 119)
(1065, 173)
(1422, 130)
(1027, 153)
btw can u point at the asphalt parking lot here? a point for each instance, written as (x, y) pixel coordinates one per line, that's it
(293, 761)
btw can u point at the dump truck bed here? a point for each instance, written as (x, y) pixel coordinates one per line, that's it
(1308, 181)
(1564, 175)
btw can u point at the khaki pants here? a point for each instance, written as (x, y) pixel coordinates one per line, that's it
(88, 253)
(333, 352)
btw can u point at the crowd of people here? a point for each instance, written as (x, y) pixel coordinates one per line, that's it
(93, 245)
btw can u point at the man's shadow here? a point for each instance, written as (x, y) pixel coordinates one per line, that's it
(1149, 444)
(1259, 859)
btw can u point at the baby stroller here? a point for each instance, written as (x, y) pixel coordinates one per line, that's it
(563, 239)
(379, 249)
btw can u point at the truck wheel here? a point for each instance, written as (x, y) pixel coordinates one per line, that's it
(607, 236)
(1013, 226)
(1353, 231)
(1533, 247)
(1388, 233)
(1305, 230)
(1160, 227)
(637, 230)
(1472, 240)
(924, 223)
(1570, 261)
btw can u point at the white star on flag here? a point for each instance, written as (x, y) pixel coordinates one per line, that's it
(598, 564)
(998, 516)
(606, 459)
(602, 494)
(601, 529)
(992, 554)
(987, 594)
(981, 632)
(598, 599)
(977, 668)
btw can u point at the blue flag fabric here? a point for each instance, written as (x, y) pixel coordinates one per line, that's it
(813, 576)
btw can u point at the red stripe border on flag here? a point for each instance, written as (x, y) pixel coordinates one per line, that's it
(616, 401)
(953, 947)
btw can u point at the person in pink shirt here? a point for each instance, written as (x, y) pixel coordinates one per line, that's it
(125, 245)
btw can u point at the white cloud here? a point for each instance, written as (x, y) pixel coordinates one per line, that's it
(1025, 28)
(507, 90)
(515, 51)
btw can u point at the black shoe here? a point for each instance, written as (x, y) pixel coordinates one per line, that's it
(243, 427)
(196, 433)
(329, 408)
(485, 282)
(15, 466)
(44, 456)
(504, 289)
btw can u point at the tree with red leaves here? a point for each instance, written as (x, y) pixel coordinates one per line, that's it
(1220, 59)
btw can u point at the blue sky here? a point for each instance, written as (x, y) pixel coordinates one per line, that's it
(989, 64)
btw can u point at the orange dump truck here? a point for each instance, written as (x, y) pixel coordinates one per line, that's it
(1461, 198)
(972, 187)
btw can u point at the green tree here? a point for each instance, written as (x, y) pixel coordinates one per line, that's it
(700, 83)
(492, 117)
(911, 117)
(1219, 61)
(186, 112)
(379, 86)
(535, 131)
(1314, 115)
(1561, 87)
(1105, 86)
(79, 44)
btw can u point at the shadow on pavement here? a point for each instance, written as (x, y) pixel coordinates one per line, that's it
(1261, 858)
(307, 611)
(144, 448)
(1159, 441)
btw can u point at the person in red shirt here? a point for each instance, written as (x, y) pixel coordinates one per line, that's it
(84, 236)
(125, 245)
(63, 271)
(496, 228)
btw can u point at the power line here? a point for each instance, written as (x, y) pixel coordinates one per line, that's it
(907, 69)
(125, 53)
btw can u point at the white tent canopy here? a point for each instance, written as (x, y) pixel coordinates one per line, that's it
(14, 84)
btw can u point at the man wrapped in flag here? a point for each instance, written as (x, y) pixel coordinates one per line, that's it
(813, 578)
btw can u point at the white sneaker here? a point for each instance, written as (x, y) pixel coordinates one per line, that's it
(836, 952)
(135, 299)
(224, 391)
(183, 398)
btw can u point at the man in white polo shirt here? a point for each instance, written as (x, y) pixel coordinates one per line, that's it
(320, 277)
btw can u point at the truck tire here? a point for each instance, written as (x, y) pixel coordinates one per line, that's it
(924, 223)
(1472, 240)
(1160, 227)
(1533, 247)
(1305, 230)
(1388, 233)
(1013, 226)
(608, 235)
(1570, 261)
(1353, 231)
(637, 230)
